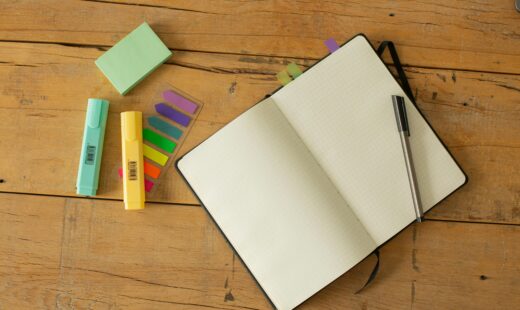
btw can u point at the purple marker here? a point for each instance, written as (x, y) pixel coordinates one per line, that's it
(180, 102)
(332, 45)
(172, 114)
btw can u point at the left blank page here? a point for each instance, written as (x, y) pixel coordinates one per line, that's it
(276, 206)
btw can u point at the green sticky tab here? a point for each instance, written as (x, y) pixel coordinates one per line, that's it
(283, 77)
(133, 58)
(294, 70)
(158, 140)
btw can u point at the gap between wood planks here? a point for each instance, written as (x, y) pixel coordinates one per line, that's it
(98, 198)
(104, 48)
(199, 205)
(152, 6)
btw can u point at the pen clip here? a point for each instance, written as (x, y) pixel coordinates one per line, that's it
(94, 110)
(400, 114)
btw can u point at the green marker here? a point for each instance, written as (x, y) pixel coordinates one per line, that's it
(92, 149)
(133, 58)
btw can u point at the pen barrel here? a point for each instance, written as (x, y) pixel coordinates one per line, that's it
(132, 160)
(92, 147)
(412, 178)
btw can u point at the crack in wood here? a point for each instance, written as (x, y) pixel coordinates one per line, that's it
(413, 295)
(484, 145)
(222, 70)
(414, 250)
(177, 303)
(17, 65)
(180, 204)
(508, 87)
(131, 278)
(283, 58)
(155, 6)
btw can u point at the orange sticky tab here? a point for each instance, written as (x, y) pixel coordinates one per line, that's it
(151, 170)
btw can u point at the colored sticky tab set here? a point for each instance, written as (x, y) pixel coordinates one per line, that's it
(164, 133)
(292, 70)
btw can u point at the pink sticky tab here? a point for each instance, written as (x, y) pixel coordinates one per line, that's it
(148, 185)
(179, 101)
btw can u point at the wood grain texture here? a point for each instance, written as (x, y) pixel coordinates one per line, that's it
(66, 252)
(474, 35)
(475, 114)
(72, 253)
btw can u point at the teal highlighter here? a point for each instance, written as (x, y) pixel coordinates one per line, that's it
(92, 149)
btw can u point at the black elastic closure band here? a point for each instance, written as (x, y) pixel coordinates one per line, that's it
(373, 274)
(398, 66)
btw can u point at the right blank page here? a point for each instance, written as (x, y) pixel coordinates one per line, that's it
(342, 110)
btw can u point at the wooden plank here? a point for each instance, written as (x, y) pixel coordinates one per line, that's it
(79, 253)
(477, 117)
(475, 114)
(30, 249)
(444, 34)
(436, 265)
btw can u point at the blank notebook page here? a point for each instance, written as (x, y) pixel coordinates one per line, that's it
(276, 206)
(342, 109)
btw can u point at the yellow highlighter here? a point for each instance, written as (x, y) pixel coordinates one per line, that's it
(133, 171)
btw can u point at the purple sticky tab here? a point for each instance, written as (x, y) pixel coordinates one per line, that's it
(332, 45)
(180, 102)
(172, 114)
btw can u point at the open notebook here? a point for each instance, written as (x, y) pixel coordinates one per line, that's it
(311, 180)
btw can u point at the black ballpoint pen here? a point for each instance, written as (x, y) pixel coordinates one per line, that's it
(404, 133)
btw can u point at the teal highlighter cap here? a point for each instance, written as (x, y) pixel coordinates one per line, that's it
(92, 147)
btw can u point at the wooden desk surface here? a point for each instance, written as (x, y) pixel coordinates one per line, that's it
(61, 251)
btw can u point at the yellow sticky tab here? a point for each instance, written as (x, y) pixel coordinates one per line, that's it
(294, 70)
(155, 155)
(283, 77)
(133, 171)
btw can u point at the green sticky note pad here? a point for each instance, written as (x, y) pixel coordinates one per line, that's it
(133, 58)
